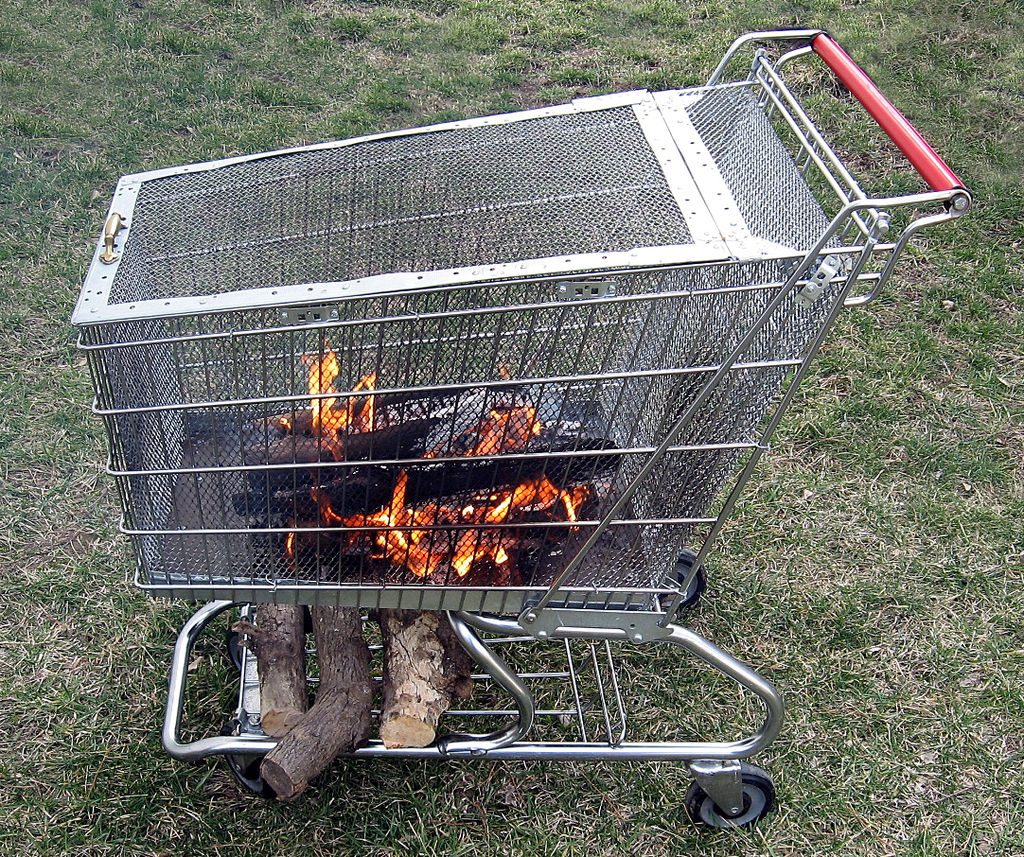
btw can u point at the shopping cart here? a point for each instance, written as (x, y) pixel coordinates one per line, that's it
(653, 270)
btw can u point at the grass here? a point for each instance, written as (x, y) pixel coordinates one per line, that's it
(873, 570)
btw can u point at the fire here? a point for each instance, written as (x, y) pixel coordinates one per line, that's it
(504, 429)
(433, 537)
(328, 415)
(405, 534)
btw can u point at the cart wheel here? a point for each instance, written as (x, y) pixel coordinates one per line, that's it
(233, 644)
(246, 769)
(758, 801)
(697, 586)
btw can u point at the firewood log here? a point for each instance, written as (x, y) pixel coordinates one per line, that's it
(367, 489)
(398, 441)
(425, 670)
(278, 640)
(300, 421)
(339, 720)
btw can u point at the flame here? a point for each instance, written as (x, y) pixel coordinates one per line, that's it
(504, 429)
(405, 535)
(322, 373)
(433, 537)
(328, 414)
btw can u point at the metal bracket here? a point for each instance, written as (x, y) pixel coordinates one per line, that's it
(723, 782)
(309, 314)
(824, 272)
(551, 623)
(580, 290)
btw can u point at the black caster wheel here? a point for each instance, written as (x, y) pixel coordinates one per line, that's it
(246, 769)
(758, 801)
(233, 645)
(695, 590)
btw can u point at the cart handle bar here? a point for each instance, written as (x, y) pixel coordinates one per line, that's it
(928, 163)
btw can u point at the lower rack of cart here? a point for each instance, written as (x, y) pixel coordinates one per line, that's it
(575, 667)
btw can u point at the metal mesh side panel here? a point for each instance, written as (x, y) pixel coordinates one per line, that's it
(702, 331)
(772, 196)
(625, 368)
(144, 440)
(577, 183)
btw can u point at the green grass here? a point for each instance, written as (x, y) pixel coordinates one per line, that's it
(873, 570)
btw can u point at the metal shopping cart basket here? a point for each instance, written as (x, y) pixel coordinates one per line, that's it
(615, 298)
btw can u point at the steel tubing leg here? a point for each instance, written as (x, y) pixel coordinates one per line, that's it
(171, 736)
(508, 680)
(743, 675)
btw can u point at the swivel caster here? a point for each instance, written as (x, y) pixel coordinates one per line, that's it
(758, 801)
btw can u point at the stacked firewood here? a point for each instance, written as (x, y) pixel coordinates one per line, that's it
(425, 671)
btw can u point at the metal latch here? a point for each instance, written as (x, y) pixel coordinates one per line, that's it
(310, 314)
(115, 223)
(581, 290)
(825, 272)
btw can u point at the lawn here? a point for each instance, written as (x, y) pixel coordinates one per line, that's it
(873, 570)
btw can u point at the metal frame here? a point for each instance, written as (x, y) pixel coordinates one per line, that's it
(507, 743)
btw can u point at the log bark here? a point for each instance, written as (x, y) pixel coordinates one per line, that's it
(425, 670)
(339, 720)
(279, 642)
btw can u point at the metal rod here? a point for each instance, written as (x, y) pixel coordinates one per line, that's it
(512, 525)
(507, 679)
(439, 388)
(765, 36)
(406, 462)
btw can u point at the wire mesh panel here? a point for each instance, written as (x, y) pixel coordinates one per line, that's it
(577, 183)
(222, 494)
(773, 198)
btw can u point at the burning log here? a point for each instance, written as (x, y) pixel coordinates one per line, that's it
(477, 467)
(364, 490)
(339, 720)
(425, 670)
(400, 441)
(439, 403)
(278, 640)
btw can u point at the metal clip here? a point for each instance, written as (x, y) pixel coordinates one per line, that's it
(579, 290)
(309, 314)
(115, 223)
(825, 272)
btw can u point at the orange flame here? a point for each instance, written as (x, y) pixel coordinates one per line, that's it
(328, 414)
(421, 537)
(504, 429)
(426, 551)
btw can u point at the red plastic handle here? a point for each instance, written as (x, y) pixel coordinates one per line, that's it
(922, 156)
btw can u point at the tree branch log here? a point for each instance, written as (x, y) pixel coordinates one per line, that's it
(339, 720)
(425, 670)
(279, 642)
